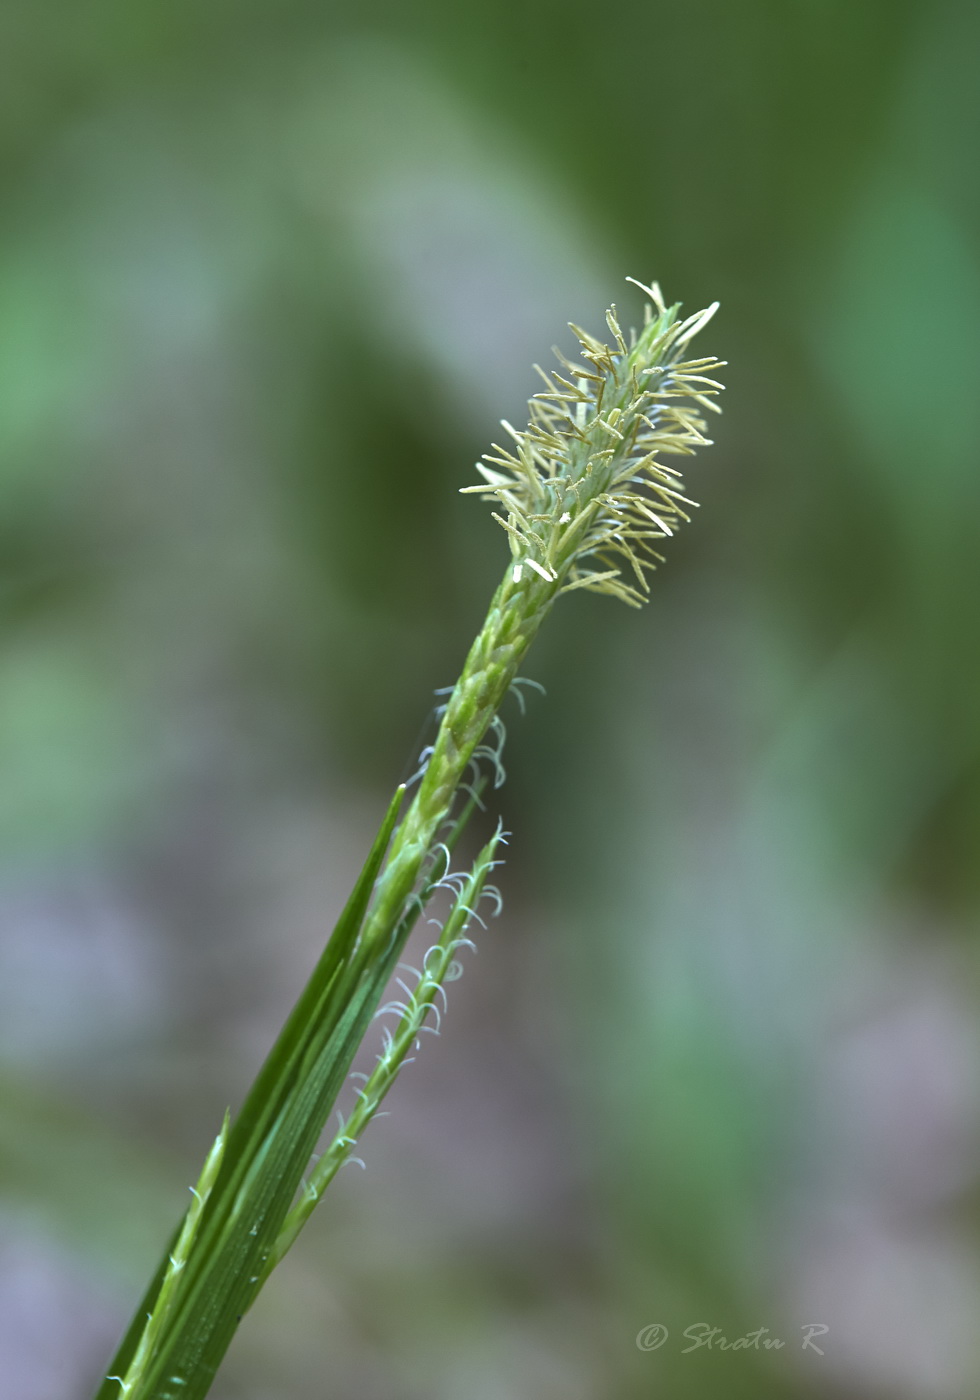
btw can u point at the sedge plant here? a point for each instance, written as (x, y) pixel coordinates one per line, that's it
(586, 501)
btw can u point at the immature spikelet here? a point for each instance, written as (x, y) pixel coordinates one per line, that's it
(583, 488)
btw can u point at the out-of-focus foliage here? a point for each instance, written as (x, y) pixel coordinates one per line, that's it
(269, 275)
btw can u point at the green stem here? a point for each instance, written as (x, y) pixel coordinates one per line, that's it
(516, 612)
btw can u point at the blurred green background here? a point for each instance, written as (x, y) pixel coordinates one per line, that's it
(269, 276)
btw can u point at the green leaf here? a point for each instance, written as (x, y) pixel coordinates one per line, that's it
(267, 1151)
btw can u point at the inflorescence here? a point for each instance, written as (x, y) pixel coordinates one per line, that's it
(583, 489)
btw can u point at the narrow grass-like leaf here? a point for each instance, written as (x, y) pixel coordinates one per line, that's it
(234, 1244)
(310, 1033)
(173, 1266)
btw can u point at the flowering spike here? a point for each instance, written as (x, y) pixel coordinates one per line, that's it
(584, 490)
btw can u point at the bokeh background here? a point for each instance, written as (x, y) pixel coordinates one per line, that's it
(269, 276)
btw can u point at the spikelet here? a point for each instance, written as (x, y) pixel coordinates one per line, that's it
(583, 488)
